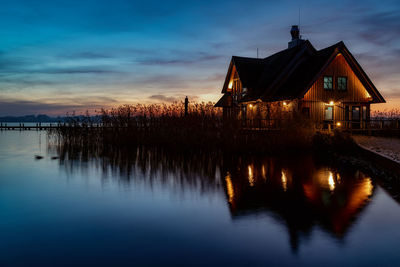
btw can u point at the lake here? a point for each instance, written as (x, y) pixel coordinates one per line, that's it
(151, 207)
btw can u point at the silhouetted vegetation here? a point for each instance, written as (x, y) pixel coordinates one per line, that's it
(167, 126)
(386, 114)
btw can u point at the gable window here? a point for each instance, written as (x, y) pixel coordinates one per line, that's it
(342, 83)
(328, 82)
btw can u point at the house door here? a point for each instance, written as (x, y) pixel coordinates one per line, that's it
(355, 117)
(328, 119)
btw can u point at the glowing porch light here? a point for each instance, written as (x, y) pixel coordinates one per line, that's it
(284, 103)
(331, 103)
(338, 124)
(251, 105)
(230, 85)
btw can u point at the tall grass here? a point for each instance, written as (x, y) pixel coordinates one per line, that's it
(167, 125)
(386, 114)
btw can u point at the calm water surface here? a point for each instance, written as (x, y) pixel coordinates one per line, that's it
(149, 207)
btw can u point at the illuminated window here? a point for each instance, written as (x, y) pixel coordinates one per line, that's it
(342, 83)
(328, 82)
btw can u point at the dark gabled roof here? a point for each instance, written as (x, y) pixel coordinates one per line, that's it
(225, 101)
(290, 73)
(300, 76)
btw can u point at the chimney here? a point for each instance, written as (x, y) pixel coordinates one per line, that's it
(296, 38)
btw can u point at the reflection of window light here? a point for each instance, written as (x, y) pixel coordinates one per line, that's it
(229, 188)
(368, 187)
(264, 173)
(331, 182)
(251, 176)
(284, 181)
(338, 179)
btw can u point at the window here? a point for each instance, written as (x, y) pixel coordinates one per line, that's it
(355, 115)
(328, 83)
(329, 113)
(342, 83)
(364, 113)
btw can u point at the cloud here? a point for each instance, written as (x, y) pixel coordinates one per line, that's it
(184, 59)
(380, 27)
(171, 99)
(85, 55)
(76, 70)
(163, 98)
(13, 107)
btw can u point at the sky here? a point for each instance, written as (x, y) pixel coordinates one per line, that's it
(64, 56)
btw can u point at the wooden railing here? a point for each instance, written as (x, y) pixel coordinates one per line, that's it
(372, 124)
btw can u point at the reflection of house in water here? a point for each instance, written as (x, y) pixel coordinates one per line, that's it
(302, 194)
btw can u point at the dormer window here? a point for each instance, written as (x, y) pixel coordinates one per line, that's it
(328, 82)
(342, 83)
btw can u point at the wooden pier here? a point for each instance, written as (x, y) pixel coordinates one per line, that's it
(29, 127)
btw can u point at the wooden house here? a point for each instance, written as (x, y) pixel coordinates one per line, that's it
(328, 86)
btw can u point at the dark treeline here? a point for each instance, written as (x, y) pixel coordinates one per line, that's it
(31, 118)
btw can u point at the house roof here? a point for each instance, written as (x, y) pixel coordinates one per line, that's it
(288, 74)
(224, 101)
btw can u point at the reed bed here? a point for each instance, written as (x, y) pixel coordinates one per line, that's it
(386, 114)
(202, 128)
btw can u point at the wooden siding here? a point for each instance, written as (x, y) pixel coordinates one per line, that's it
(317, 97)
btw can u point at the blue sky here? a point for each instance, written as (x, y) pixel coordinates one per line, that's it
(59, 56)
